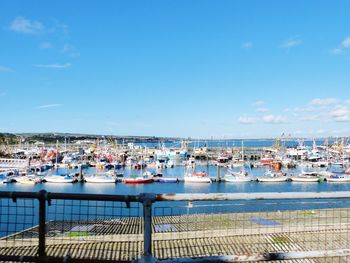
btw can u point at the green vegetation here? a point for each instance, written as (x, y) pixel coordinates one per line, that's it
(8, 139)
(307, 213)
(78, 234)
(280, 240)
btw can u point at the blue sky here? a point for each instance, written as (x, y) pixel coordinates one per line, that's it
(221, 69)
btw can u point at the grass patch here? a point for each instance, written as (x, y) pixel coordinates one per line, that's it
(77, 234)
(280, 240)
(308, 213)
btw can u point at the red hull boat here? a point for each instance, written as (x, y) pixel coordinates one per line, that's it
(138, 180)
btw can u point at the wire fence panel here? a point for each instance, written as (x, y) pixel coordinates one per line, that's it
(17, 227)
(102, 230)
(242, 228)
(183, 228)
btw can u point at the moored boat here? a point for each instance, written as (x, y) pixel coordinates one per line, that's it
(138, 180)
(306, 179)
(234, 177)
(168, 180)
(338, 179)
(197, 177)
(270, 177)
(27, 179)
(100, 178)
(266, 179)
(59, 178)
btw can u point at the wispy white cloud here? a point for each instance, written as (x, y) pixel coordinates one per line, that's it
(45, 45)
(70, 50)
(261, 109)
(275, 119)
(323, 102)
(303, 109)
(341, 114)
(5, 69)
(259, 103)
(53, 66)
(316, 117)
(49, 106)
(23, 25)
(292, 42)
(345, 44)
(247, 45)
(337, 51)
(246, 120)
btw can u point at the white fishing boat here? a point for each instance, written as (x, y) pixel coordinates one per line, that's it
(234, 177)
(338, 179)
(266, 179)
(100, 178)
(197, 177)
(27, 179)
(305, 178)
(59, 178)
(270, 177)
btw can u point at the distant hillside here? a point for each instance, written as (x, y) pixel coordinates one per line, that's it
(8, 138)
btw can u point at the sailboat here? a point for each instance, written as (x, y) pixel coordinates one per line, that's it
(59, 178)
(338, 178)
(100, 178)
(144, 178)
(196, 177)
(236, 177)
(271, 177)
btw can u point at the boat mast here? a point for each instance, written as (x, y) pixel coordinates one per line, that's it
(56, 154)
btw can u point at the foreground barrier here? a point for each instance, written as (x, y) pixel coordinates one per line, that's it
(59, 227)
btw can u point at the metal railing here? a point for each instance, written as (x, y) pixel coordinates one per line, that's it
(59, 227)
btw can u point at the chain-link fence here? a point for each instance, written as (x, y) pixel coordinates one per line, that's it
(57, 227)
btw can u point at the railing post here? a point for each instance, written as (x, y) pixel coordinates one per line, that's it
(42, 222)
(147, 200)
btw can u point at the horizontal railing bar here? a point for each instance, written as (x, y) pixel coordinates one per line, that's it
(252, 196)
(265, 256)
(94, 197)
(7, 194)
(180, 197)
(71, 196)
(55, 259)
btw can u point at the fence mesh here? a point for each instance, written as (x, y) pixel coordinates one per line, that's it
(197, 229)
(113, 230)
(17, 226)
(94, 230)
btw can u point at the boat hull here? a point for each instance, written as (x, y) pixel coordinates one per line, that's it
(99, 180)
(338, 180)
(193, 179)
(234, 179)
(59, 179)
(138, 181)
(272, 179)
(305, 179)
(168, 180)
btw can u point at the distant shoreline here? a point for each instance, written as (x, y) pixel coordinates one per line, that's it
(13, 138)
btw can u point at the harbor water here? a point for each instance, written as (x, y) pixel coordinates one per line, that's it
(180, 187)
